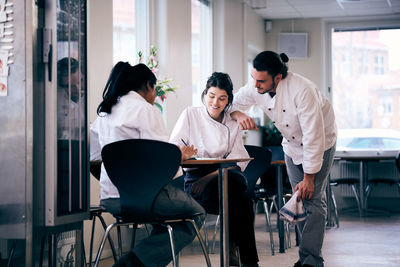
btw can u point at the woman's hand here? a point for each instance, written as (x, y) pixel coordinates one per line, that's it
(198, 186)
(244, 121)
(187, 152)
(305, 187)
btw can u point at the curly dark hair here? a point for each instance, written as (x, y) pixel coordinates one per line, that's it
(223, 82)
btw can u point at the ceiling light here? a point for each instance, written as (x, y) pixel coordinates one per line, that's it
(256, 4)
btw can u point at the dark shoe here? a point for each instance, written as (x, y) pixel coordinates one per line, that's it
(129, 260)
(233, 257)
(298, 264)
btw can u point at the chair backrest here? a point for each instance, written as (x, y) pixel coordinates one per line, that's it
(95, 169)
(256, 167)
(140, 168)
(277, 153)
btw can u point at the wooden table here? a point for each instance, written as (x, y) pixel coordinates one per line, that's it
(222, 164)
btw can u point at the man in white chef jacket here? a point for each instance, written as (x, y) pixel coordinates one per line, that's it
(307, 123)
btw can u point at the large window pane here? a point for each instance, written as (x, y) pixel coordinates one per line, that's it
(366, 84)
(366, 78)
(124, 31)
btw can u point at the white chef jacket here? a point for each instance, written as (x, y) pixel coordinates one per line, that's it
(212, 138)
(131, 117)
(301, 113)
(71, 120)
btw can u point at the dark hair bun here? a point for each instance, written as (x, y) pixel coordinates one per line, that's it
(284, 57)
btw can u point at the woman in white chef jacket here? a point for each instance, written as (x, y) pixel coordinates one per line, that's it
(210, 130)
(127, 112)
(307, 122)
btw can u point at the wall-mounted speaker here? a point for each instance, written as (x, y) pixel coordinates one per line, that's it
(294, 45)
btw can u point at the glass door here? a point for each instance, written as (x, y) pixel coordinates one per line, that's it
(66, 113)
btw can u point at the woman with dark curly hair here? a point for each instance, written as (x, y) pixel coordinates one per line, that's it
(212, 131)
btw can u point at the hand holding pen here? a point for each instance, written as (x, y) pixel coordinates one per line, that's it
(187, 151)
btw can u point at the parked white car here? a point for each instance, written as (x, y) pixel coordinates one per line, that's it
(368, 139)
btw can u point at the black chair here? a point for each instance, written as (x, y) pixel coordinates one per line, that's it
(387, 181)
(96, 211)
(140, 168)
(353, 182)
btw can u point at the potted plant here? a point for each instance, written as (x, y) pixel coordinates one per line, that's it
(271, 135)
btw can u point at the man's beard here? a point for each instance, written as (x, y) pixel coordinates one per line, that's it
(268, 90)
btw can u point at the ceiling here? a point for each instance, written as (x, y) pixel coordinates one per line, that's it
(289, 9)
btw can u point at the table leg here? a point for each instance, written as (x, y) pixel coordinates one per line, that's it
(362, 188)
(223, 214)
(281, 230)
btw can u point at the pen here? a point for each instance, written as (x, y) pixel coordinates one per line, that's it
(183, 141)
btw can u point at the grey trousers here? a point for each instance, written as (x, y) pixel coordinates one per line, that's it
(155, 250)
(312, 229)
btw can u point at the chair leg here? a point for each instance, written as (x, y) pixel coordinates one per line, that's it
(368, 191)
(119, 241)
(206, 235)
(14, 245)
(269, 227)
(103, 241)
(289, 241)
(203, 247)
(215, 234)
(91, 239)
(133, 236)
(357, 198)
(103, 223)
(273, 204)
(171, 239)
(335, 208)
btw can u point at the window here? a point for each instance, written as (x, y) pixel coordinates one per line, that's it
(363, 63)
(385, 104)
(201, 47)
(366, 101)
(379, 65)
(124, 31)
(345, 64)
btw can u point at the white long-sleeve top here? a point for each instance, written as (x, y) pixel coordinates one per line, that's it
(212, 138)
(131, 117)
(301, 113)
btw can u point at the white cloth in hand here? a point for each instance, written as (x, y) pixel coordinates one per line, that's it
(293, 211)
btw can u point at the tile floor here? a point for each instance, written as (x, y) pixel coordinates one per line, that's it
(371, 241)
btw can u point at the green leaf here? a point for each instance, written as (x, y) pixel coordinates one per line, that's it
(159, 106)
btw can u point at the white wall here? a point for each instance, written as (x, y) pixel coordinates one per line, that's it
(237, 30)
(173, 37)
(313, 66)
(100, 61)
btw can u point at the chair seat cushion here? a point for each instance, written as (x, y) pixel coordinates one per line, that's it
(344, 180)
(383, 181)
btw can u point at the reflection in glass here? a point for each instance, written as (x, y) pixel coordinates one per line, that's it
(71, 106)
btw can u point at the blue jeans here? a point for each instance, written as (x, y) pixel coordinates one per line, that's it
(312, 229)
